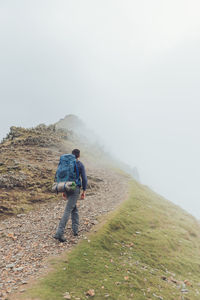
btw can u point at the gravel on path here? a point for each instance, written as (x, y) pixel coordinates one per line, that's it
(26, 241)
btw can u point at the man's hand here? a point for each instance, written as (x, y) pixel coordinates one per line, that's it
(64, 196)
(83, 195)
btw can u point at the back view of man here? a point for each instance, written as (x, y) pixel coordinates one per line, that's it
(72, 197)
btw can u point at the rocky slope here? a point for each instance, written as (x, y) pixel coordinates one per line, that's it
(29, 158)
(27, 239)
(28, 161)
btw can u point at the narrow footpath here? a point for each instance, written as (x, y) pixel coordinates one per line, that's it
(26, 241)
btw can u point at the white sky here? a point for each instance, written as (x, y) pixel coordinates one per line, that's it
(129, 69)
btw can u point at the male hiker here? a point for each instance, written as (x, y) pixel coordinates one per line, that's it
(72, 197)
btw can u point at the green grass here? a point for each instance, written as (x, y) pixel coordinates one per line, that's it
(146, 238)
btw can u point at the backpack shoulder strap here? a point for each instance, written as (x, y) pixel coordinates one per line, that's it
(77, 172)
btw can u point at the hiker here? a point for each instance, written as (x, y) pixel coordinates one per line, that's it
(72, 197)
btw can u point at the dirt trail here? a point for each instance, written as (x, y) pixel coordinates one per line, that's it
(26, 240)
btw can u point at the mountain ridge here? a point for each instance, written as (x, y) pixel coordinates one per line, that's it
(29, 157)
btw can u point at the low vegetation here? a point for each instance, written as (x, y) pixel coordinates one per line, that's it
(29, 158)
(147, 249)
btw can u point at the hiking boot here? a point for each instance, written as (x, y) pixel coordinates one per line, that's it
(75, 233)
(61, 239)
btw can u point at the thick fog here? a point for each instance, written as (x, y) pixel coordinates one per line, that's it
(129, 69)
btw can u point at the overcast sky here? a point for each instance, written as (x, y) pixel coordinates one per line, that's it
(129, 69)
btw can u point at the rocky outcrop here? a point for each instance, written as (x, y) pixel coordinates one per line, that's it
(29, 158)
(41, 136)
(28, 162)
(11, 180)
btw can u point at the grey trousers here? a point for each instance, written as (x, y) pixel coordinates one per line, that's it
(70, 209)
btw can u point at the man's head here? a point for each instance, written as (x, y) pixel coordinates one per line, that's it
(76, 152)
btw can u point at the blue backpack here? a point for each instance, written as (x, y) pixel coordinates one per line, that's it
(67, 169)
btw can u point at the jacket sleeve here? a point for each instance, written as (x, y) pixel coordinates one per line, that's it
(83, 177)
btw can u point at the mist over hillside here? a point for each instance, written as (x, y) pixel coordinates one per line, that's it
(129, 69)
(120, 80)
(89, 138)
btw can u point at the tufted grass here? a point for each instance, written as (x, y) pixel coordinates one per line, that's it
(138, 253)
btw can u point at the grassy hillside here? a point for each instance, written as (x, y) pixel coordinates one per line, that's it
(147, 249)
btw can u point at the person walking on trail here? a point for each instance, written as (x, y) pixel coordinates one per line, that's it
(72, 197)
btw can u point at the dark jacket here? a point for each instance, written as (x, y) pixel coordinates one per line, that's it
(82, 174)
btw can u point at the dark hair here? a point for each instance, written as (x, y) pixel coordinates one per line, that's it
(76, 152)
